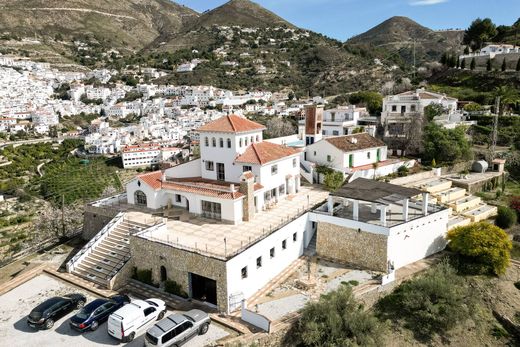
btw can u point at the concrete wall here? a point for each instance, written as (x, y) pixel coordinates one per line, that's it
(94, 219)
(178, 263)
(189, 169)
(351, 246)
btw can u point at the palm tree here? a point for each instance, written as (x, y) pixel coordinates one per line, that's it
(508, 97)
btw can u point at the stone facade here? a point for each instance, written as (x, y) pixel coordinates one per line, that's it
(178, 264)
(351, 246)
(95, 218)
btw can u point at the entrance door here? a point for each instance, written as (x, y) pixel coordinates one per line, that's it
(221, 173)
(203, 288)
(164, 275)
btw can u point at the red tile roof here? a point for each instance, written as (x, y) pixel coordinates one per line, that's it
(231, 124)
(265, 152)
(153, 179)
(356, 142)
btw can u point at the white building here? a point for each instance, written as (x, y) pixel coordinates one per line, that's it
(147, 154)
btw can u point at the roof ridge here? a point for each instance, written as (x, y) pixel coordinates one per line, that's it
(231, 122)
(256, 153)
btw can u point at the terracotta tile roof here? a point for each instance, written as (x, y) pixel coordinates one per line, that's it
(354, 142)
(231, 124)
(195, 185)
(265, 152)
(248, 175)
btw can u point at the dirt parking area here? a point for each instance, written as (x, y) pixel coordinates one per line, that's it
(16, 305)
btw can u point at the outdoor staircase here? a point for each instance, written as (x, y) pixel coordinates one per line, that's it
(108, 251)
(310, 251)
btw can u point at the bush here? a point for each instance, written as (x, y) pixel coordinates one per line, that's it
(515, 204)
(483, 248)
(174, 288)
(334, 180)
(144, 275)
(431, 304)
(336, 320)
(506, 217)
(402, 171)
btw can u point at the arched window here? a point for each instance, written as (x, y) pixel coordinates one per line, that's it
(221, 142)
(140, 198)
(240, 142)
(214, 142)
(206, 141)
(252, 139)
(228, 143)
(257, 138)
(246, 141)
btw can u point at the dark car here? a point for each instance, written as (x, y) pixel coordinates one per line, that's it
(45, 314)
(97, 312)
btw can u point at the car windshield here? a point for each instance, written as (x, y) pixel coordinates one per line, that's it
(35, 315)
(84, 313)
(151, 303)
(189, 318)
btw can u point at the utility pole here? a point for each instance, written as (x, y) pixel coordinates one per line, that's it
(414, 61)
(495, 129)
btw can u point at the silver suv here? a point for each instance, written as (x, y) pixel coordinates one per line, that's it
(177, 329)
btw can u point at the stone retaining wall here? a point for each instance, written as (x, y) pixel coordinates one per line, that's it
(95, 218)
(345, 245)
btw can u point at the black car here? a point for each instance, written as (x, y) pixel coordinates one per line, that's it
(97, 312)
(46, 313)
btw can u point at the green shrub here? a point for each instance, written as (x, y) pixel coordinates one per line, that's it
(174, 288)
(431, 304)
(506, 217)
(336, 320)
(143, 275)
(483, 248)
(334, 180)
(402, 171)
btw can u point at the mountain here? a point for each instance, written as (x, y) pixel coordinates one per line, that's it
(398, 35)
(240, 12)
(119, 24)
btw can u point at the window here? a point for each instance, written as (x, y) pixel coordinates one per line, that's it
(244, 272)
(335, 132)
(221, 142)
(332, 116)
(228, 143)
(314, 153)
(214, 142)
(246, 168)
(252, 139)
(140, 198)
(177, 198)
(221, 174)
(149, 310)
(209, 165)
(240, 142)
(281, 189)
(274, 169)
(257, 138)
(403, 109)
(394, 108)
(258, 262)
(368, 155)
(206, 141)
(324, 132)
(294, 162)
(284, 244)
(246, 141)
(294, 237)
(271, 252)
(329, 158)
(412, 108)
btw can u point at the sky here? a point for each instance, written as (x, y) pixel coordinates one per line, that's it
(342, 19)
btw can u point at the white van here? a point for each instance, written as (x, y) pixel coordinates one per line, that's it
(126, 322)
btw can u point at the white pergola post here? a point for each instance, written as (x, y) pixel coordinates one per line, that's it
(355, 209)
(425, 198)
(330, 205)
(405, 210)
(373, 208)
(383, 215)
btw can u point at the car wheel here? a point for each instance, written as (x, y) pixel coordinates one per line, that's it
(94, 325)
(49, 323)
(130, 337)
(161, 315)
(203, 329)
(80, 304)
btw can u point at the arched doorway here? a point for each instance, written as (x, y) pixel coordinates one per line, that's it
(140, 198)
(164, 275)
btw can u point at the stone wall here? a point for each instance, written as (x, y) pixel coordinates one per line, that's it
(123, 276)
(95, 218)
(178, 263)
(345, 245)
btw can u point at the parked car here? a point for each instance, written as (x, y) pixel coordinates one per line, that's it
(97, 312)
(129, 319)
(177, 329)
(45, 314)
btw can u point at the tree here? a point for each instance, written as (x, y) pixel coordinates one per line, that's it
(450, 145)
(434, 110)
(277, 127)
(466, 50)
(372, 100)
(333, 180)
(473, 64)
(59, 222)
(480, 31)
(489, 65)
(463, 64)
(482, 247)
(431, 304)
(458, 62)
(504, 65)
(518, 65)
(336, 320)
(509, 97)
(506, 217)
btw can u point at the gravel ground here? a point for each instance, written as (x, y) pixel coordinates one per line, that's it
(276, 309)
(354, 275)
(16, 304)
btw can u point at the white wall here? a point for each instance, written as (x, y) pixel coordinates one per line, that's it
(257, 278)
(285, 167)
(417, 239)
(189, 169)
(152, 196)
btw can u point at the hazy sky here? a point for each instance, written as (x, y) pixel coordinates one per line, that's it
(342, 19)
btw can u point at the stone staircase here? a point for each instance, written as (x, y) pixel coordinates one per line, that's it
(310, 251)
(106, 253)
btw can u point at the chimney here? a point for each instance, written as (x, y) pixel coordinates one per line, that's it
(247, 187)
(232, 188)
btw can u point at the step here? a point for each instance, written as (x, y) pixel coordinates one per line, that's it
(466, 203)
(94, 263)
(458, 221)
(85, 271)
(112, 251)
(116, 244)
(436, 186)
(450, 195)
(482, 212)
(86, 276)
(101, 259)
(105, 255)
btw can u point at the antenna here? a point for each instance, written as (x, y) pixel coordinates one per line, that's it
(495, 129)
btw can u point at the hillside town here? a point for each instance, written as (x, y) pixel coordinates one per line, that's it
(199, 178)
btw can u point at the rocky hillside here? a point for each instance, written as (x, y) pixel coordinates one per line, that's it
(397, 35)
